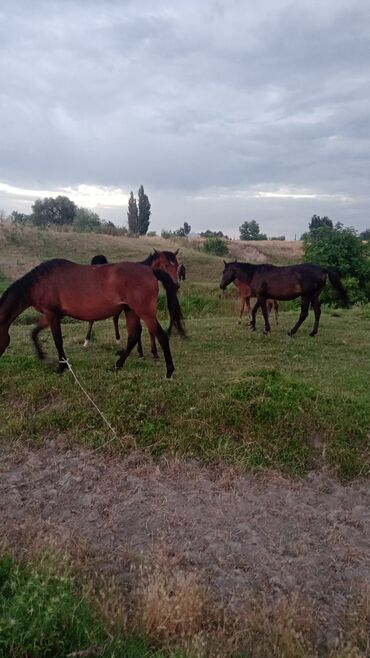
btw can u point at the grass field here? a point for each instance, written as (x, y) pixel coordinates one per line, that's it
(257, 403)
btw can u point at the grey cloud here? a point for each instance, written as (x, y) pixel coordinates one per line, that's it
(186, 98)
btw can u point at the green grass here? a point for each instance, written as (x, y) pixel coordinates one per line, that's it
(45, 613)
(254, 401)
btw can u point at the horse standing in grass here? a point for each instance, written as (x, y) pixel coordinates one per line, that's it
(161, 260)
(245, 301)
(58, 287)
(284, 283)
(181, 272)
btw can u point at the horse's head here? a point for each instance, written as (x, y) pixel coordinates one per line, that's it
(228, 275)
(167, 261)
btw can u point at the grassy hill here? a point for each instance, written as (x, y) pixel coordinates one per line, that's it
(23, 247)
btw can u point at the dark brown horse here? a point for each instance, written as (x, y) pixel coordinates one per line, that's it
(161, 260)
(181, 272)
(59, 287)
(284, 283)
(245, 301)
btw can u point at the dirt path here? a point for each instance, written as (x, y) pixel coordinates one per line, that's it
(239, 532)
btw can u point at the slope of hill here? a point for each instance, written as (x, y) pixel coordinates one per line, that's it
(23, 247)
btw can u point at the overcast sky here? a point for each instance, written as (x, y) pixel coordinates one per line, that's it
(224, 110)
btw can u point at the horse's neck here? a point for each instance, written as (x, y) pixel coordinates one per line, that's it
(10, 309)
(243, 275)
(147, 261)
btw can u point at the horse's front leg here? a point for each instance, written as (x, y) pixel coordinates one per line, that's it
(242, 304)
(153, 347)
(265, 314)
(116, 328)
(42, 323)
(56, 330)
(254, 313)
(88, 335)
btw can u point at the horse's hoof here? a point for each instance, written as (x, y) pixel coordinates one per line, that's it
(86, 343)
(155, 357)
(312, 334)
(266, 332)
(290, 334)
(118, 341)
(252, 328)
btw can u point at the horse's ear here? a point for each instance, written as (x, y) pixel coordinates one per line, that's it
(235, 260)
(225, 263)
(156, 252)
(176, 252)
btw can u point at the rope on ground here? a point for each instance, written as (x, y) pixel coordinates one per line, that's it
(77, 381)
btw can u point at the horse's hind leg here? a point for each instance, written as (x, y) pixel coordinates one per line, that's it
(88, 335)
(134, 330)
(276, 309)
(315, 303)
(305, 305)
(140, 348)
(157, 331)
(42, 323)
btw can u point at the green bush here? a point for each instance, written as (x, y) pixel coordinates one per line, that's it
(215, 246)
(341, 249)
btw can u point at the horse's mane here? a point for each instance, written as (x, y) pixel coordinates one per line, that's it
(100, 259)
(21, 287)
(248, 268)
(169, 255)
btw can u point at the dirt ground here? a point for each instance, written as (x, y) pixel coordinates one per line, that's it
(241, 533)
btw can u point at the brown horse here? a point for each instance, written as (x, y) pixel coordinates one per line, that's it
(161, 260)
(284, 283)
(245, 301)
(58, 287)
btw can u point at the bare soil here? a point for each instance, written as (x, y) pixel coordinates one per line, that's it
(240, 532)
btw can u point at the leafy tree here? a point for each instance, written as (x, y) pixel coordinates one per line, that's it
(278, 237)
(133, 215)
(251, 231)
(317, 222)
(53, 211)
(183, 231)
(213, 234)
(144, 211)
(215, 246)
(20, 217)
(86, 220)
(340, 248)
(365, 235)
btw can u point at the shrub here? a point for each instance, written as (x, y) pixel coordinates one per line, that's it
(216, 247)
(340, 248)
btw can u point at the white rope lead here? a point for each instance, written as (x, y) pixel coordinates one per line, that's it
(67, 363)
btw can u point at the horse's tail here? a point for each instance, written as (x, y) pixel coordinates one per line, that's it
(174, 308)
(335, 281)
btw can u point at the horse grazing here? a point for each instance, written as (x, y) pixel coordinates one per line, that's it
(245, 301)
(58, 287)
(284, 283)
(161, 260)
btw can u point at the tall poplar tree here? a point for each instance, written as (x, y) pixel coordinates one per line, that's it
(144, 211)
(132, 215)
